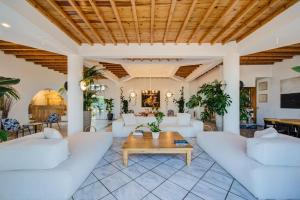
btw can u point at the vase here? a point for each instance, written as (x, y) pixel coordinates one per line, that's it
(110, 116)
(155, 135)
(219, 122)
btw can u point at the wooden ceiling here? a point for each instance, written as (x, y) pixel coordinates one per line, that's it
(116, 69)
(184, 71)
(46, 59)
(159, 21)
(271, 56)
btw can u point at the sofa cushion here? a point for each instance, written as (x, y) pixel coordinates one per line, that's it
(129, 119)
(52, 133)
(144, 120)
(266, 133)
(33, 153)
(184, 119)
(280, 151)
(169, 121)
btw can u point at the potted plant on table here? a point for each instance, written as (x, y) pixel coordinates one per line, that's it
(109, 107)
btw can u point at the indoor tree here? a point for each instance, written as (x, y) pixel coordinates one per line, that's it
(124, 102)
(181, 101)
(244, 104)
(109, 108)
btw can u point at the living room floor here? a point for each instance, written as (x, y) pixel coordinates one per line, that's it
(154, 177)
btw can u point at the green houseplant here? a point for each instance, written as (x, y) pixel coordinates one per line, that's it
(214, 100)
(3, 136)
(7, 94)
(124, 102)
(109, 107)
(244, 105)
(180, 101)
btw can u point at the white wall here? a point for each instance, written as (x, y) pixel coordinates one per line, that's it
(33, 79)
(280, 71)
(249, 73)
(139, 84)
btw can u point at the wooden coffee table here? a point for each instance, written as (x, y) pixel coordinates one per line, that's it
(163, 145)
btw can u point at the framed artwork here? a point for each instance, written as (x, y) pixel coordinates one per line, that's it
(263, 86)
(263, 98)
(151, 99)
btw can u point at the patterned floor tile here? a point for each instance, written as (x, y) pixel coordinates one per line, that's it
(208, 191)
(109, 197)
(239, 190)
(164, 170)
(217, 168)
(161, 157)
(232, 196)
(203, 163)
(217, 179)
(101, 163)
(112, 157)
(184, 180)
(120, 165)
(115, 181)
(94, 191)
(151, 196)
(134, 170)
(192, 196)
(176, 163)
(130, 191)
(105, 171)
(150, 180)
(138, 158)
(170, 191)
(89, 180)
(194, 170)
(149, 163)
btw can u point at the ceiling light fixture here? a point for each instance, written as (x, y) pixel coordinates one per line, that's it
(5, 25)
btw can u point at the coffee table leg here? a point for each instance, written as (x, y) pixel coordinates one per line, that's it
(125, 158)
(188, 158)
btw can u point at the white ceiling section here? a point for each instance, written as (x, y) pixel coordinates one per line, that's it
(29, 27)
(283, 30)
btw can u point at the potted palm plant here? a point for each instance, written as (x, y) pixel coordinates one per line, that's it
(181, 101)
(109, 107)
(7, 94)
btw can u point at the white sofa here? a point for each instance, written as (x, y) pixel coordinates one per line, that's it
(119, 128)
(263, 181)
(60, 182)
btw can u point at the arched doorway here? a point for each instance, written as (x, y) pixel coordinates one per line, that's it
(44, 103)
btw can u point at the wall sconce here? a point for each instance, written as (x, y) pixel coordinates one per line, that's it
(83, 85)
(169, 95)
(132, 97)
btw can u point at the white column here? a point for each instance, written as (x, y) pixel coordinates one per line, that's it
(75, 96)
(231, 75)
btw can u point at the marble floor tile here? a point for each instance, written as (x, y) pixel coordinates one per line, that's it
(105, 171)
(89, 180)
(218, 179)
(115, 181)
(232, 196)
(239, 190)
(151, 196)
(130, 191)
(192, 196)
(164, 170)
(208, 191)
(101, 163)
(170, 191)
(194, 170)
(184, 180)
(204, 155)
(176, 163)
(203, 163)
(162, 157)
(109, 197)
(120, 165)
(112, 157)
(93, 191)
(150, 180)
(217, 168)
(138, 157)
(134, 170)
(149, 163)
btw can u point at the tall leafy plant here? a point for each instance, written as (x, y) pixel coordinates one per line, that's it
(180, 101)
(214, 100)
(109, 105)
(124, 102)
(244, 104)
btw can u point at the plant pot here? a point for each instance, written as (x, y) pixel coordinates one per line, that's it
(110, 116)
(219, 122)
(155, 135)
(87, 119)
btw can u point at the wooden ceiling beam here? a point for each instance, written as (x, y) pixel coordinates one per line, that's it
(273, 54)
(86, 21)
(37, 52)
(48, 60)
(186, 20)
(285, 49)
(62, 13)
(34, 4)
(16, 47)
(116, 13)
(235, 20)
(171, 11)
(100, 17)
(250, 20)
(41, 57)
(228, 9)
(257, 63)
(267, 19)
(265, 57)
(136, 22)
(152, 20)
(202, 20)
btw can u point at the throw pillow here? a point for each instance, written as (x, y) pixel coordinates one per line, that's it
(129, 119)
(266, 133)
(51, 133)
